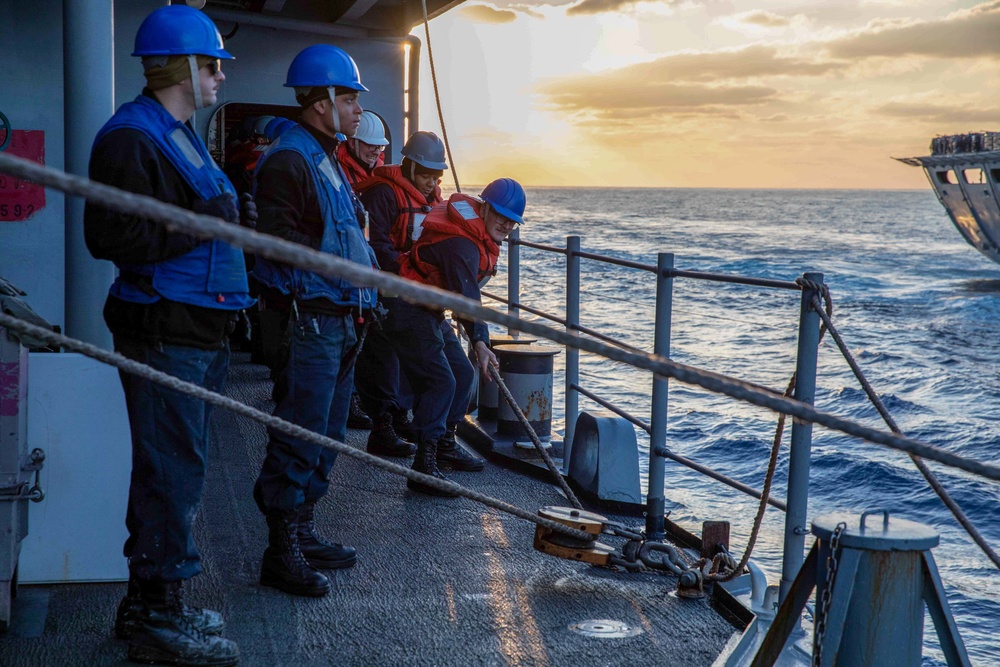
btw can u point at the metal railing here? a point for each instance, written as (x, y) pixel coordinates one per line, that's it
(795, 506)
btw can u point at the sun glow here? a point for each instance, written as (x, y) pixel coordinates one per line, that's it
(689, 94)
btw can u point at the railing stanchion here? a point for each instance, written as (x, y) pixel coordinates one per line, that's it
(658, 410)
(572, 354)
(513, 275)
(796, 515)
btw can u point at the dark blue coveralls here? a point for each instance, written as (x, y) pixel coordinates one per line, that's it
(171, 308)
(303, 196)
(381, 386)
(430, 354)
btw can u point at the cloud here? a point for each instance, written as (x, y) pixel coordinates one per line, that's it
(762, 19)
(967, 33)
(589, 7)
(605, 95)
(747, 63)
(939, 113)
(488, 14)
(701, 83)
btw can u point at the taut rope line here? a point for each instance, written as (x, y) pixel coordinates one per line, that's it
(931, 478)
(171, 382)
(291, 253)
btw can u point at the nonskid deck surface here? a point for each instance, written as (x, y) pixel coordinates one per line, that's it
(438, 581)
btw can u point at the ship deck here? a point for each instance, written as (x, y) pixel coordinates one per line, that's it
(438, 582)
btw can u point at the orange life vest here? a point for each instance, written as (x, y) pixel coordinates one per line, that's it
(413, 205)
(355, 170)
(459, 217)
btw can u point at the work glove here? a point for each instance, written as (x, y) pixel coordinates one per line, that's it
(248, 211)
(222, 206)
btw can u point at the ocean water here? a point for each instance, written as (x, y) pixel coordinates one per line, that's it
(918, 308)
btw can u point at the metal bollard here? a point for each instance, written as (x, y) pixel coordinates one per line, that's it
(527, 372)
(872, 580)
(487, 396)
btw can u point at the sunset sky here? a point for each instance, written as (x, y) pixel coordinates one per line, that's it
(710, 93)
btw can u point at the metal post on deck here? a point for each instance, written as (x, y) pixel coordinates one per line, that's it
(658, 410)
(796, 522)
(89, 63)
(513, 275)
(572, 354)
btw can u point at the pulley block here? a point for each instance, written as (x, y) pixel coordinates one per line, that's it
(584, 550)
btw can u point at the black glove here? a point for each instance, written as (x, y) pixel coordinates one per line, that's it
(222, 206)
(248, 211)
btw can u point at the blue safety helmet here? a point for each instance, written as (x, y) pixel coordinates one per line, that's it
(506, 196)
(426, 149)
(323, 66)
(179, 30)
(276, 127)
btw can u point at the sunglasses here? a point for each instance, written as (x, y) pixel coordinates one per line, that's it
(214, 67)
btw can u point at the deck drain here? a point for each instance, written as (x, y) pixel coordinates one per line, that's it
(603, 628)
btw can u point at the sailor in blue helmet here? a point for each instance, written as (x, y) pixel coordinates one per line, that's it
(457, 250)
(304, 197)
(171, 307)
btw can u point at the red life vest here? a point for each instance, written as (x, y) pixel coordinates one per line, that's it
(355, 170)
(413, 205)
(459, 217)
(241, 161)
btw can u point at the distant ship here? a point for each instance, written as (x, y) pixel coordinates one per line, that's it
(964, 170)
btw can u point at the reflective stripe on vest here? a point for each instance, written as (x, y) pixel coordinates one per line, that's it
(341, 234)
(211, 275)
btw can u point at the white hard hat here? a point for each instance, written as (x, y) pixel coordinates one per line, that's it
(370, 130)
(261, 123)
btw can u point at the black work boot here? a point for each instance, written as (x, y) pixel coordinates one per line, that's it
(426, 462)
(320, 554)
(403, 424)
(452, 455)
(163, 634)
(208, 621)
(357, 417)
(383, 441)
(284, 567)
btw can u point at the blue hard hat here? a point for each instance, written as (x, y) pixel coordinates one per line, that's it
(179, 30)
(426, 149)
(506, 196)
(277, 127)
(322, 66)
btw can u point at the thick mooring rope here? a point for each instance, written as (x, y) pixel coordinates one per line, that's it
(276, 249)
(539, 447)
(931, 478)
(171, 382)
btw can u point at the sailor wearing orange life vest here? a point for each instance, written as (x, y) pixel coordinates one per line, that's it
(365, 150)
(397, 197)
(357, 156)
(457, 249)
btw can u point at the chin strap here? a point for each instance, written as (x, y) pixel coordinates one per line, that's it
(336, 111)
(199, 102)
